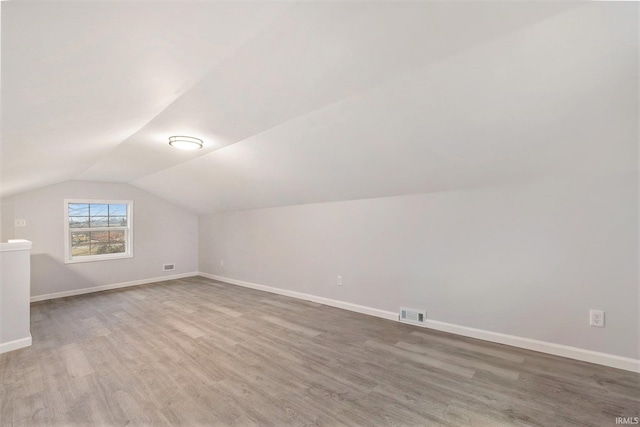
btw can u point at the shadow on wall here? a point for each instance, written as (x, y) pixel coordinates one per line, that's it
(7, 216)
(49, 275)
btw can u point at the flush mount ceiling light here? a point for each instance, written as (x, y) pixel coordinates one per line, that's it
(185, 142)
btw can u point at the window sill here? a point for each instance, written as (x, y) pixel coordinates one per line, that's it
(97, 258)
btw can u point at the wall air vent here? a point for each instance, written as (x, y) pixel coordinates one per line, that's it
(411, 315)
(168, 267)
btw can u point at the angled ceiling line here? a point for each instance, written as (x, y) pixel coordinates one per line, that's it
(196, 82)
(390, 80)
(275, 29)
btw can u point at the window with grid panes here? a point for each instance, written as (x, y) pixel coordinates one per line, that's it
(98, 230)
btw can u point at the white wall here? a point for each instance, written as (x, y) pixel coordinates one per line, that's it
(163, 233)
(527, 259)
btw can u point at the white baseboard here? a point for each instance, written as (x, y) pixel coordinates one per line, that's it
(44, 297)
(308, 297)
(15, 344)
(576, 353)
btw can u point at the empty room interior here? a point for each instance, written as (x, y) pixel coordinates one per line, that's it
(363, 213)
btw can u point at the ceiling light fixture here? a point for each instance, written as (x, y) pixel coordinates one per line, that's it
(185, 142)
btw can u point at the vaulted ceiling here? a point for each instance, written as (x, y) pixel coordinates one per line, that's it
(310, 102)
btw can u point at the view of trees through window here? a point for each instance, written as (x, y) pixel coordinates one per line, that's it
(97, 229)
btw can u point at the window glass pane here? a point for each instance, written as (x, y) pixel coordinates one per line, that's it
(99, 221)
(116, 237)
(119, 210)
(98, 237)
(107, 242)
(117, 221)
(80, 243)
(78, 209)
(115, 249)
(99, 249)
(78, 221)
(99, 242)
(98, 210)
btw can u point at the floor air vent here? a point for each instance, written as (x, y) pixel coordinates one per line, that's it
(168, 267)
(410, 315)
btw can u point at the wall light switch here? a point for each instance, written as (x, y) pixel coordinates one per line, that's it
(20, 223)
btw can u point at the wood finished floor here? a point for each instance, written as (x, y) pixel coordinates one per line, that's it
(198, 352)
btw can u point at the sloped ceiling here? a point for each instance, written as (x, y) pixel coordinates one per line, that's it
(311, 102)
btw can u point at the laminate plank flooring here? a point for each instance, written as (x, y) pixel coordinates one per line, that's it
(198, 352)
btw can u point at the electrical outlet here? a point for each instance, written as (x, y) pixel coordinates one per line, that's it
(596, 318)
(221, 263)
(339, 281)
(20, 223)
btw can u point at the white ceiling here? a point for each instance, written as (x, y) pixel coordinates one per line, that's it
(311, 102)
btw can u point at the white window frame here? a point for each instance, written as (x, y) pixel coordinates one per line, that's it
(128, 235)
